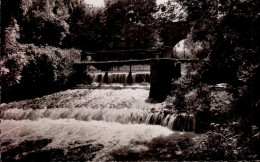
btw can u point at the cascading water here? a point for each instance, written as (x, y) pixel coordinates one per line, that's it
(180, 122)
(123, 116)
(83, 117)
(120, 77)
(122, 106)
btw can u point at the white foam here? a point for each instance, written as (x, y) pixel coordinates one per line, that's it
(89, 98)
(78, 117)
(64, 132)
(124, 115)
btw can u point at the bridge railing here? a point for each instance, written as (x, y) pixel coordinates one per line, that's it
(121, 55)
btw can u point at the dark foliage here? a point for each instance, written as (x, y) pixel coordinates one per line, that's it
(129, 24)
(229, 31)
(67, 24)
(48, 69)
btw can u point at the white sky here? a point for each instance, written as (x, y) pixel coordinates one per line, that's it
(99, 3)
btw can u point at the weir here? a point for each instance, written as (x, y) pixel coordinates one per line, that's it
(155, 66)
(101, 117)
(123, 77)
(160, 75)
(180, 122)
(162, 67)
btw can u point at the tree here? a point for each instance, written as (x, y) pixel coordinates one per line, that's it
(225, 28)
(230, 32)
(13, 59)
(85, 27)
(60, 23)
(129, 24)
(44, 21)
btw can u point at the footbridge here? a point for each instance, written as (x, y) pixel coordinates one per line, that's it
(107, 65)
(162, 65)
(161, 71)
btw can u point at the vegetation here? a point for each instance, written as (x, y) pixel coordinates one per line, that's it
(47, 69)
(129, 24)
(13, 60)
(64, 24)
(45, 27)
(43, 38)
(224, 87)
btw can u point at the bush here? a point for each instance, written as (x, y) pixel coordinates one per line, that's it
(223, 144)
(48, 69)
(12, 59)
(57, 61)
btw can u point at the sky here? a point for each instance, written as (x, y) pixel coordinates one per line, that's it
(99, 3)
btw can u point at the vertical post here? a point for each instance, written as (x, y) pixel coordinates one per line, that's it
(162, 73)
(106, 78)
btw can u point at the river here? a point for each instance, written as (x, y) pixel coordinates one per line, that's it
(82, 124)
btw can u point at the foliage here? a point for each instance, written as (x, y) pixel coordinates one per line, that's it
(49, 63)
(48, 69)
(129, 24)
(226, 31)
(227, 27)
(223, 144)
(180, 100)
(85, 27)
(49, 22)
(12, 60)
(229, 30)
(171, 11)
(63, 23)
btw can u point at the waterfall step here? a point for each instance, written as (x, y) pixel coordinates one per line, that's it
(126, 78)
(180, 122)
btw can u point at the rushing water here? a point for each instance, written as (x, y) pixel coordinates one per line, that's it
(120, 77)
(67, 132)
(105, 118)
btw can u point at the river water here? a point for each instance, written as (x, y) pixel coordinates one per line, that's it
(82, 124)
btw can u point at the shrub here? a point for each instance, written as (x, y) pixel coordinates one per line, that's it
(58, 61)
(48, 69)
(223, 144)
(12, 59)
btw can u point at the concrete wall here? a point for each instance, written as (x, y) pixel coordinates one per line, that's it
(162, 73)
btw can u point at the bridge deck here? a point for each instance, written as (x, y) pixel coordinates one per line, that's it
(133, 62)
